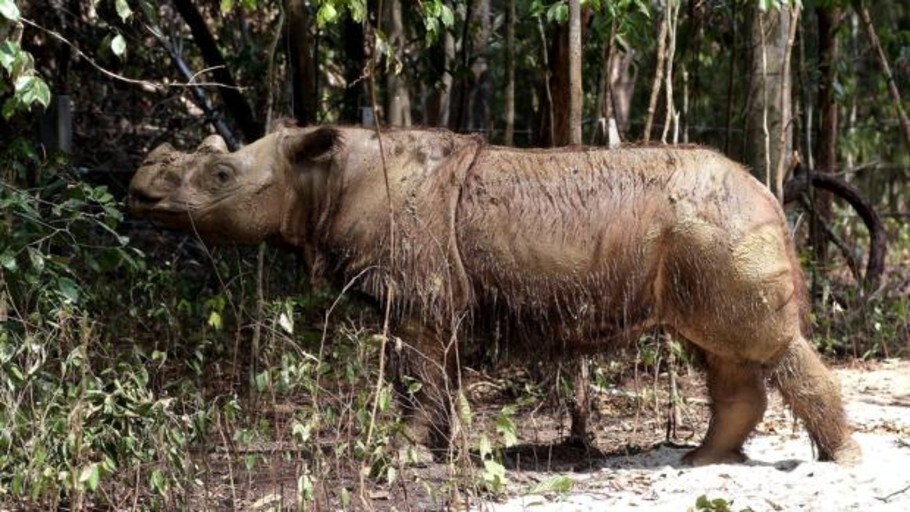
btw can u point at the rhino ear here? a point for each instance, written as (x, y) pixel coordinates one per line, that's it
(316, 146)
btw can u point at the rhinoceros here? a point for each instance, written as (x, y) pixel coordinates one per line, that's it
(564, 251)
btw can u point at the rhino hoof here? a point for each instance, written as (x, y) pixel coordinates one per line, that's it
(705, 457)
(849, 454)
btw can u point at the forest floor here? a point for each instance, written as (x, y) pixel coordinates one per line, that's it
(629, 467)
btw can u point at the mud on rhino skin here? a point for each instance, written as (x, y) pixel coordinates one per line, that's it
(570, 250)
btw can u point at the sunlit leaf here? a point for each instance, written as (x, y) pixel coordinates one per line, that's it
(118, 45)
(123, 9)
(8, 260)
(560, 484)
(9, 10)
(91, 476)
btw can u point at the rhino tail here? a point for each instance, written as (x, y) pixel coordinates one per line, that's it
(813, 394)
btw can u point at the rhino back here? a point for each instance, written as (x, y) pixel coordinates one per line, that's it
(580, 236)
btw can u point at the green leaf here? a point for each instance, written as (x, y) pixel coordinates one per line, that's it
(36, 258)
(91, 476)
(9, 50)
(463, 408)
(226, 6)
(158, 482)
(262, 381)
(118, 45)
(506, 428)
(484, 447)
(123, 9)
(10, 106)
(68, 288)
(447, 16)
(560, 484)
(42, 93)
(215, 320)
(9, 10)
(326, 14)
(8, 260)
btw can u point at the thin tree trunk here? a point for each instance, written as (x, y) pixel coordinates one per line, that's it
(671, 116)
(398, 105)
(481, 85)
(829, 19)
(866, 19)
(769, 114)
(509, 95)
(786, 109)
(233, 99)
(576, 96)
(731, 90)
(301, 59)
(353, 97)
(604, 104)
(658, 76)
(546, 134)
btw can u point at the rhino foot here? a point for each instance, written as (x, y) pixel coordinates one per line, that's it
(849, 454)
(704, 457)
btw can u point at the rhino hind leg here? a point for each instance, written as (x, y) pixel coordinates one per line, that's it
(424, 373)
(738, 402)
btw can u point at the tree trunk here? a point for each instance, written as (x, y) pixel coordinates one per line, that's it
(353, 71)
(658, 75)
(481, 86)
(398, 104)
(508, 138)
(829, 19)
(768, 116)
(301, 60)
(234, 101)
(560, 86)
(576, 96)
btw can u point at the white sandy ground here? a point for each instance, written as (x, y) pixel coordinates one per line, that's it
(782, 474)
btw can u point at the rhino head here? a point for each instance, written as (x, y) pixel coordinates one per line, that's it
(241, 197)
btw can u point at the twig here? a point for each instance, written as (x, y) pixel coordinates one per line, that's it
(199, 96)
(893, 494)
(155, 86)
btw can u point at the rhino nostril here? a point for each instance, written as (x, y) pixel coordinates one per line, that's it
(143, 198)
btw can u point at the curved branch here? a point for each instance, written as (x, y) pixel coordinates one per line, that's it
(878, 244)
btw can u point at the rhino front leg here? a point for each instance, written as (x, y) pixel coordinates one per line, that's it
(738, 402)
(424, 367)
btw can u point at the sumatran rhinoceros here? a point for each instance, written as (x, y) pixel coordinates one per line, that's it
(564, 251)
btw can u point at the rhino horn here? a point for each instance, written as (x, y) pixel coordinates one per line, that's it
(161, 152)
(213, 144)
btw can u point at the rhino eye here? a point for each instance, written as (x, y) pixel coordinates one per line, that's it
(222, 174)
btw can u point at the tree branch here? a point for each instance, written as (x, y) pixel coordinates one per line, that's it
(234, 101)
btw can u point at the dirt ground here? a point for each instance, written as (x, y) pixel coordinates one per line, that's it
(781, 474)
